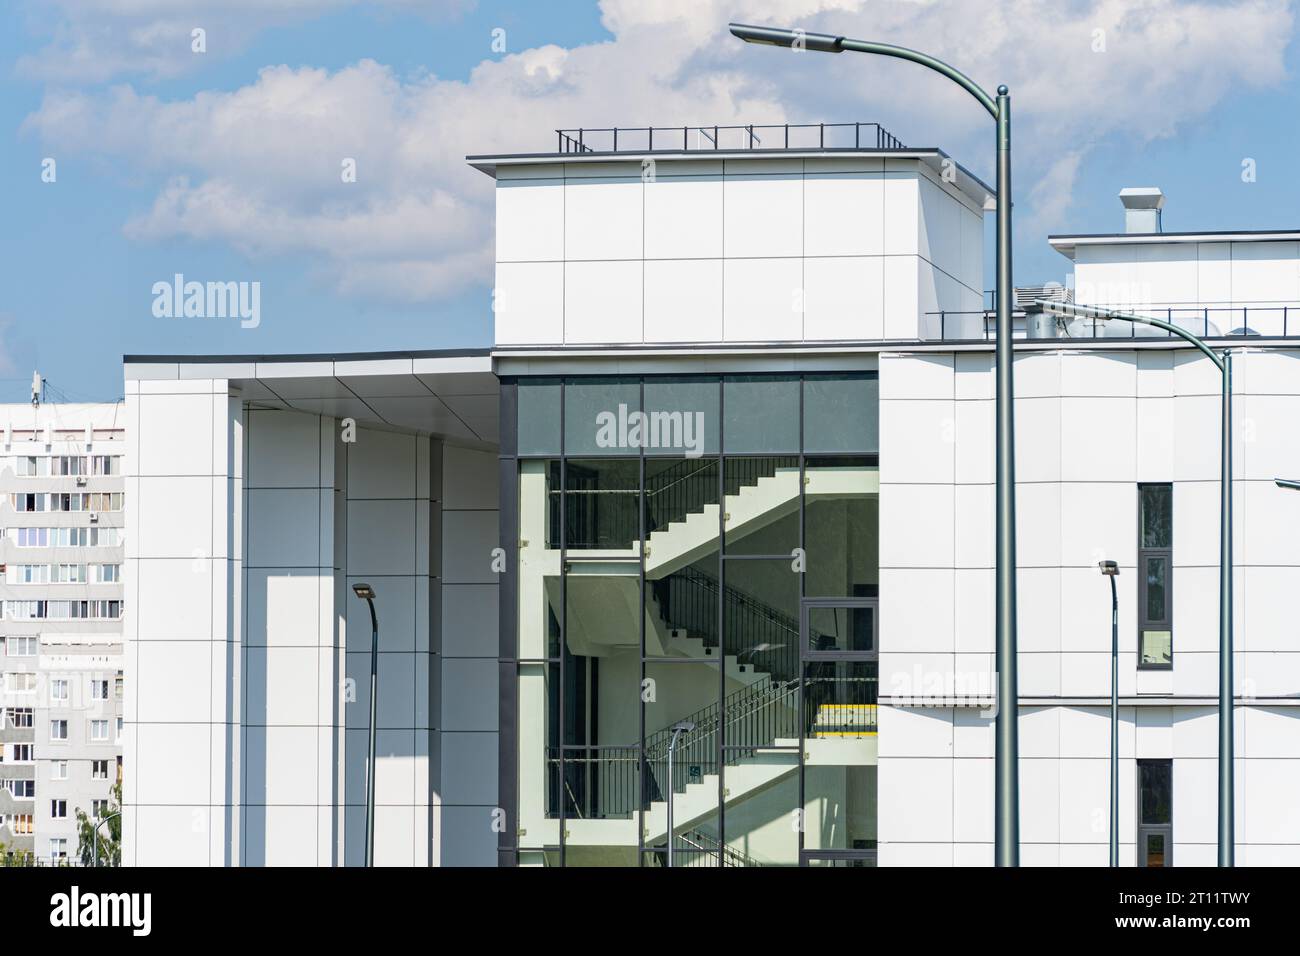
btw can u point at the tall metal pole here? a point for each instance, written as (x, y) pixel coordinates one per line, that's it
(1114, 722)
(1227, 838)
(1006, 794)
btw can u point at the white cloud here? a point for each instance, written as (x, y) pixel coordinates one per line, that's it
(258, 167)
(94, 41)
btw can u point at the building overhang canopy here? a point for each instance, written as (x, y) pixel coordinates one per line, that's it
(449, 394)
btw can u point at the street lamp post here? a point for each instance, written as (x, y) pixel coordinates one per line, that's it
(1007, 748)
(679, 728)
(367, 593)
(1223, 362)
(94, 838)
(1111, 570)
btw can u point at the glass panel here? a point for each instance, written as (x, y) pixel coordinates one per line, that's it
(679, 490)
(761, 510)
(539, 781)
(1157, 648)
(1153, 849)
(539, 562)
(841, 413)
(1156, 574)
(1156, 782)
(761, 414)
(682, 613)
(843, 861)
(761, 616)
(682, 416)
(842, 629)
(763, 817)
(1157, 515)
(602, 655)
(681, 715)
(842, 527)
(840, 702)
(601, 416)
(539, 416)
(840, 781)
(601, 497)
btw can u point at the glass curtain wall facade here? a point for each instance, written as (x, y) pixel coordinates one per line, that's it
(690, 632)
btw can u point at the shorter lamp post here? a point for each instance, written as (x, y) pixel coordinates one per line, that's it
(679, 728)
(1111, 570)
(94, 839)
(367, 594)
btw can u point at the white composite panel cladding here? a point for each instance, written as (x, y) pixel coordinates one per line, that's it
(735, 250)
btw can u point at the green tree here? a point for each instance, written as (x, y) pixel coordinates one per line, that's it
(110, 833)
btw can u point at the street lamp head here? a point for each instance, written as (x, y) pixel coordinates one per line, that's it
(1109, 568)
(364, 591)
(684, 726)
(794, 39)
(1287, 483)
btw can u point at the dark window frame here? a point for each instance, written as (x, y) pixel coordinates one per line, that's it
(1161, 829)
(1145, 621)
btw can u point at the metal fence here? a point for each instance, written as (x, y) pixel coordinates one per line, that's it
(648, 139)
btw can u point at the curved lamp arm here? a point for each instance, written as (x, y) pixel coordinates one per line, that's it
(1092, 312)
(826, 43)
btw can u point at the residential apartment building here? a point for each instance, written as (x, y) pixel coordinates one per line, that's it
(695, 564)
(61, 547)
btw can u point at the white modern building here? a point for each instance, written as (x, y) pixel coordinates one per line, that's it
(61, 547)
(699, 555)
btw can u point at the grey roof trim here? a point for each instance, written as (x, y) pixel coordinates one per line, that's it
(974, 187)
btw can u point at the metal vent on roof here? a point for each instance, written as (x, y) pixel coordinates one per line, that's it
(1026, 295)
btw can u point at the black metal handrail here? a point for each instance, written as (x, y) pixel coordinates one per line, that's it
(642, 139)
(688, 601)
(1208, 322)
(607, 517)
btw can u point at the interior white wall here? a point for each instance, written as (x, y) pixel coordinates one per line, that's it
(773, 249)
(293, 696)
(467, 834)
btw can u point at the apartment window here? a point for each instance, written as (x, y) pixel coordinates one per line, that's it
(99, 770)
(99, 730)
(98, 808)
(20, 646)
(58, 691)
(31, 466)
(58, 730)
(1155, 576)
(20, 753)
(58, 848)
(21, 789)
(22, 823)
(119, 731)
(20, 682)
(1155, 812)
(20, 716)
(99, 689)
(59, 770)
(58, 809)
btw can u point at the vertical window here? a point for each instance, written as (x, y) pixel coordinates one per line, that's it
(99, 730)
(58, 730)
(1155, 812)
(59, 770)
(99, 689)
(58, 691)
(1155, 576)
(99, 769)
(58, 809)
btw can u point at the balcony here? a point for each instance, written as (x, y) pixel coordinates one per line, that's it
(849, 137)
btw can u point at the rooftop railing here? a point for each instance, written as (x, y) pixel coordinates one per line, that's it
(1207, 322)
(649, 139)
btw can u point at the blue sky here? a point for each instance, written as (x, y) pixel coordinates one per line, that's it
(217, 167)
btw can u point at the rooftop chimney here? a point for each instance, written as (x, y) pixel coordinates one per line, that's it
(1142, 205)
